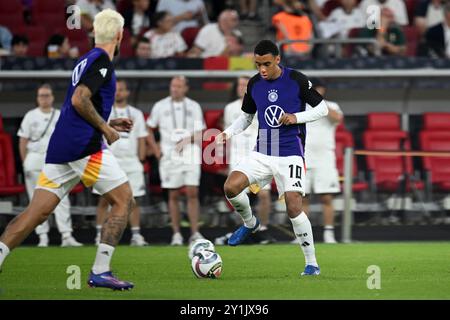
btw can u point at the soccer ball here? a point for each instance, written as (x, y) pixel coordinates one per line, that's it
(207, 264)
(199, 245)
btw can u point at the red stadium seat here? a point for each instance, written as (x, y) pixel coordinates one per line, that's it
(189, 35)
(411, 6)
(212, 118)
(8, 175)
(126, 48)
(11, 6)
(51, 21)
(12, 21)
(436, 121)
(216, 63)
(412, 40)
(48, 6)
(388, 169)
(437, 168)
(383, 121)
(33, 33)
(344, 139)
(36, 49)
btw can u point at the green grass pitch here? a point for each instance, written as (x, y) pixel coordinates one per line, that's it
(409, 270)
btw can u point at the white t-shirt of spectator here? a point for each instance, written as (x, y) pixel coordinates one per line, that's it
(138, 22)
(347, 21)
(320, 140)
(37, 127)
(435, 15)
(126, 148)
(91, 9)
(165, 45)
(447, 39)
(211, 40)
(175, 121)
(397, 6)
(242, 144)
(177, 7)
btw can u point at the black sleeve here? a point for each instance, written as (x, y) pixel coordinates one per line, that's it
(249, 105)
(97, 74)
(307, 93)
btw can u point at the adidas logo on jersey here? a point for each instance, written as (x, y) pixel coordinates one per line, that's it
(103, 72)
(297, 184)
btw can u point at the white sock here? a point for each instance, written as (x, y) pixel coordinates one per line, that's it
(241, 204)
(4, 251)
(99, 228)
(103, 258)
(66, 235)
(135, 231)
(303, 232)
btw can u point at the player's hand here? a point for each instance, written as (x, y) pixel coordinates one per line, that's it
(122, 124)
(111, 135)
(221, 138)
(287, 119)
(180, 144)
(157, 153)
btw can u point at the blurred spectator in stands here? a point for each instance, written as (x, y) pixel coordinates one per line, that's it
(143, 48)
(438, 37)
(214, 38)
(309, 7)
(5, 39)
(164, 42)
(292, 23)
(19, 46)
(248, 9)
(390, 37)
(137, 18)
(186, 13)
(347, 17)
(89, 8)
(58, 46)
(398, 7)
(428, 14)
(235, 45)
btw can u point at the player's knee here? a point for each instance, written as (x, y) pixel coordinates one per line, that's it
(192, 194)
(327, 199)
(231, 190)
(293, 204)
(131, 205)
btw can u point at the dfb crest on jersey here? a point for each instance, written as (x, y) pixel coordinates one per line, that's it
(273, 95)
(272, 114)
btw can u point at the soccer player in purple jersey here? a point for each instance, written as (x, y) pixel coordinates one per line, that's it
(278, 95)
(76, 152)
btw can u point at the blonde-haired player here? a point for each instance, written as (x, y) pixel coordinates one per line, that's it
(76, 152)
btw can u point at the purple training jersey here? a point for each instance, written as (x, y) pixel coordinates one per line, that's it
(289, 93)
(74, 138)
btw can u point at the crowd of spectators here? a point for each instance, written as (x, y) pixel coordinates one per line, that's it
(205, 28)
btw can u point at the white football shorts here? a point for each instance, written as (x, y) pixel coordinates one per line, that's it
(322, 180)
(175, 175)
(99, 170)
(260, 169)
